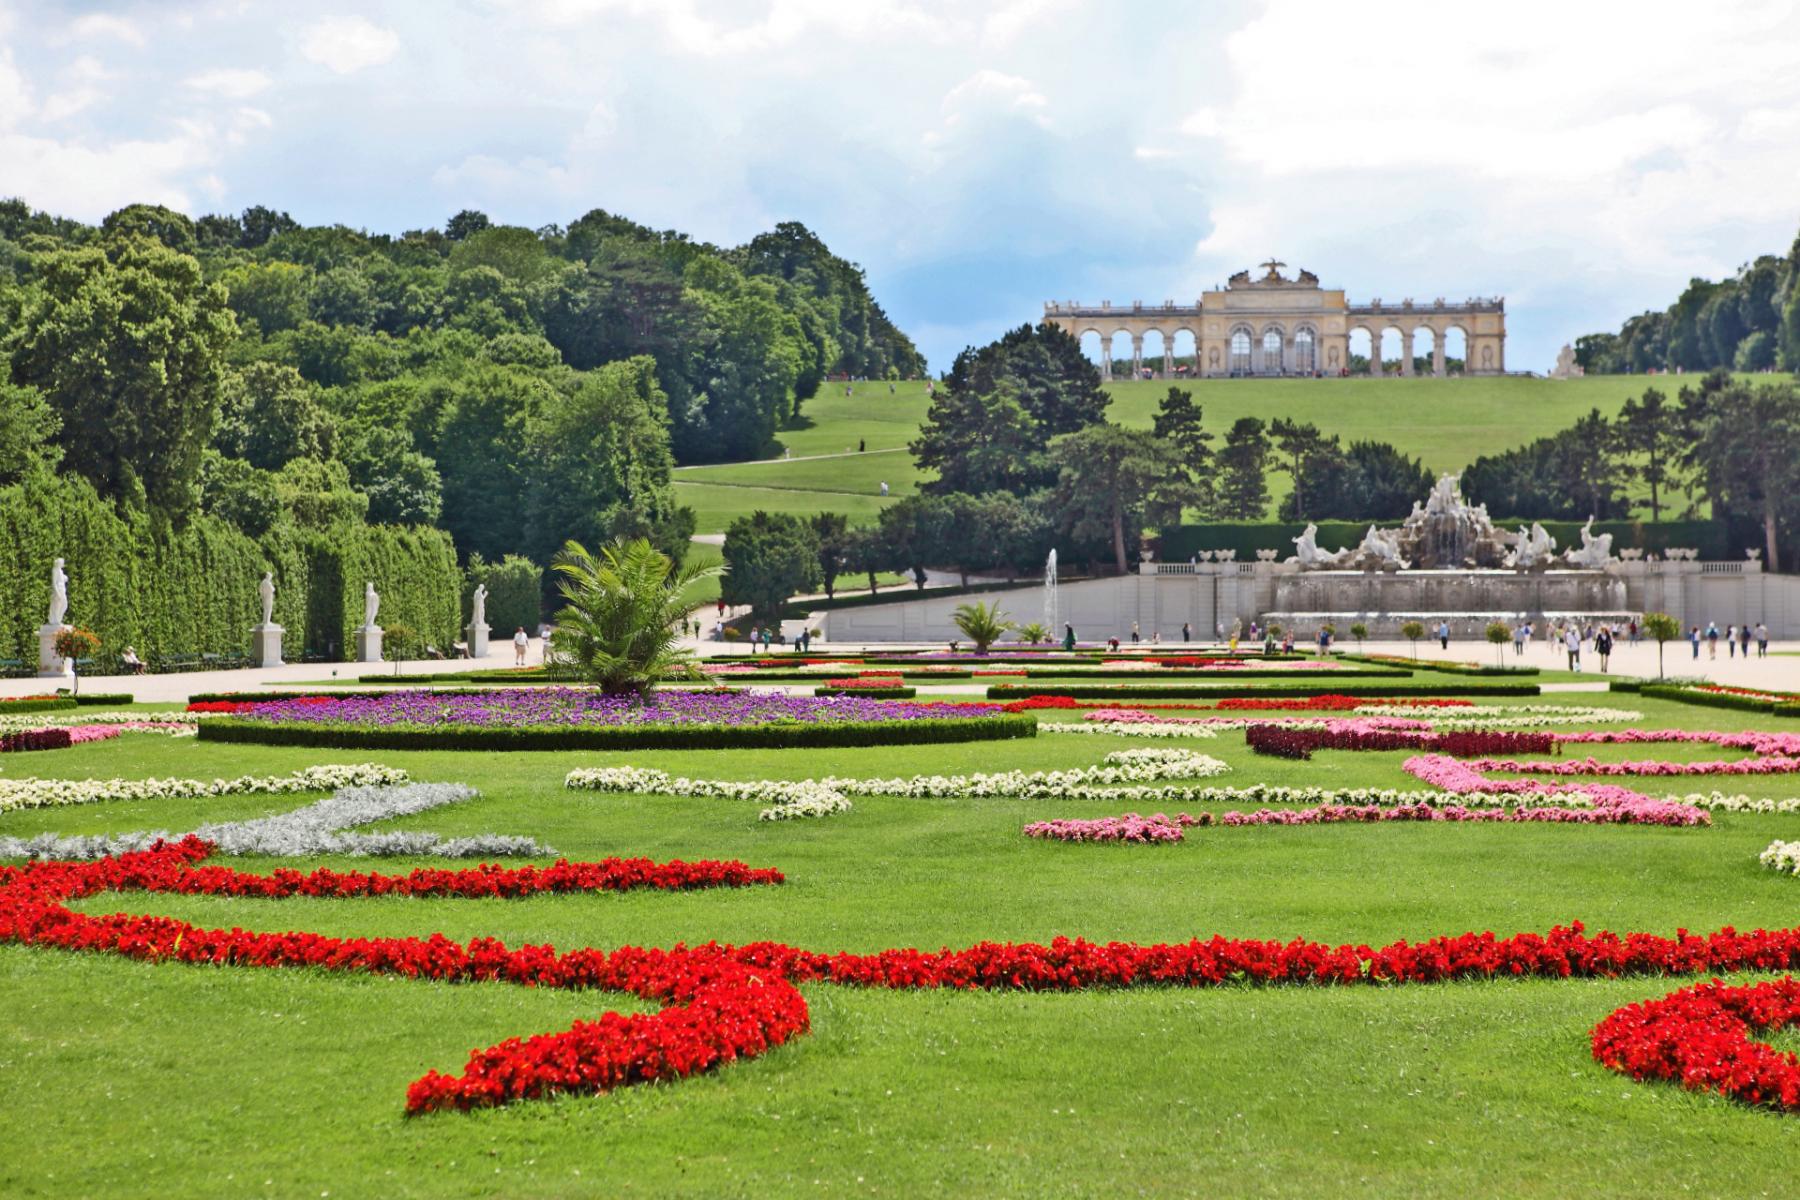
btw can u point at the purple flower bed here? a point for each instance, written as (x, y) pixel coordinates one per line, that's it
(574, 708)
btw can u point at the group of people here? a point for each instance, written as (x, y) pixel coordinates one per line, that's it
(1737, 637)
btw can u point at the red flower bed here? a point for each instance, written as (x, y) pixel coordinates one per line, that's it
(219, 706)
(36, 739)
(725, 1002)
(5, 700)
(1333, 703)
(1719, 689)
(1700, 1037)
(1284, 741)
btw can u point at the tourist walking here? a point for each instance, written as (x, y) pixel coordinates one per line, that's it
(1444, 634)
(1712, 640)
(1324, 642)
(768, 639)
(1631, 633)
(520, 642)
(1694, 639)
(1603, 646)
(1731, 641)
(1134, 633)
(1187, 632)
(1762, 640)
(884, 489)
(1520, 633)
(1744, 638)
(1572, 643)
(1068, 637)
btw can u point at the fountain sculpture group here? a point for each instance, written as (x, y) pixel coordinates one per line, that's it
(1448, 560)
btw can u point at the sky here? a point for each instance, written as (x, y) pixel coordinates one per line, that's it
(1582, 159)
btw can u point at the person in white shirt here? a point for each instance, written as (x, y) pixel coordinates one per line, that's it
(1572, 643)
(520, 642)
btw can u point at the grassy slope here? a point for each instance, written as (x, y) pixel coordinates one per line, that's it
(1447, 423)
(176, 1080)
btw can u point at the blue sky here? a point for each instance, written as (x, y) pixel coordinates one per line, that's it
(1584, 160)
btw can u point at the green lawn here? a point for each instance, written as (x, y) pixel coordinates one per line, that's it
(132, 1078)
(1447, 423)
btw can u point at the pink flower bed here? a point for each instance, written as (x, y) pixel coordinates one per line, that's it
(1162, 829)
(1771, 765)
(1350, 725)
(1755, 741)
(1128, 828)
(1455, 775)
(99, 733)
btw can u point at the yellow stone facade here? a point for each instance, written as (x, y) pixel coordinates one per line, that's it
(1273, 325)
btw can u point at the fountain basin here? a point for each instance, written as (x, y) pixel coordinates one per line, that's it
(1468, 599)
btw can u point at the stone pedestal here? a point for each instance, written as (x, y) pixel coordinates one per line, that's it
(49, 661)
(478, 640)
(368, 644)
(265, 645)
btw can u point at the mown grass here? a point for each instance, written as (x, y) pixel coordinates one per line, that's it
(1447, 424)
(129, 1078)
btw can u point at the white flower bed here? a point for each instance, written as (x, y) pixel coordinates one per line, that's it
(1502, 716)
(174, 724)
(821, 797)
(1781, 856)
(43, 793)
(1154, 729)
(318, 828)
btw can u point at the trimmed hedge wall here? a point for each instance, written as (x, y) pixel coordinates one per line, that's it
(893, 693)
(795, 735)
(1444, 667)
(175, 594)
(515, 596)
(1687, 695)
(104, 699)
(1296, 692)
(1182, 542)
(19, 708)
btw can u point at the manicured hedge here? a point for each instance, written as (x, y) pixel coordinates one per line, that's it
(18, 708)
(515, 596)
(1688, 695)
(1297, 691)
(104, 699)
(176, 594)
(1446, 668)
(893, 693)
(791, 735)
(1625, 685)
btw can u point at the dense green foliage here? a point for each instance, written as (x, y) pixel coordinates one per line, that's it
(515, 592)
(172, 592)
(769, 558)
(1749, 322)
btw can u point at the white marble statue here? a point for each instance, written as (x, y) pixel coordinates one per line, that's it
(1307, 552)
(266, 589)
(478, 605)
(1596, 549)
(1535, 546)
(59, 594)
(1379, 548)
(371, 604)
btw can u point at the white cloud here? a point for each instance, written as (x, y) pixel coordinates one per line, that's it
(233, 83)
(347, 44)
(94, 26)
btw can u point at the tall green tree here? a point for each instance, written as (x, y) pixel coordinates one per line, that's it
(833, 533)
(270, 415)
(1105, 475)
(1746, 449)
(1306, 454)
(28, 428)
(769, 559)
(1179, 421)
(1243, 487)
(127, 343)
(1649, 432)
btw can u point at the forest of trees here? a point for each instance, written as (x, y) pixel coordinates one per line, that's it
(1749, 322)
(511, 387)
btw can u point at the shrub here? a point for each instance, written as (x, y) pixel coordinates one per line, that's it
(983, 624)
(1285, 741)
(36, 704)
(620, 737)
(36, 739)
(877, 693)
(616, 628)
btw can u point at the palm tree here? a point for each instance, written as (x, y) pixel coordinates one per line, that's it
(983, 624)
(1033, 634)
(621, 611)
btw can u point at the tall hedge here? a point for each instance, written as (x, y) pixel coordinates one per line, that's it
(171, 593)
(515, 593)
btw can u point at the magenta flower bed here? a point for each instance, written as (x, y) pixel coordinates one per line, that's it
(574, 708)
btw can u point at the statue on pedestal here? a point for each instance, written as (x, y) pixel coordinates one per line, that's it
(371, 604)
(266, 589)
(59, 594)
(478, 605)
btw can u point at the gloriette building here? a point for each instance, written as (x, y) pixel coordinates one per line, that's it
(1273, 325)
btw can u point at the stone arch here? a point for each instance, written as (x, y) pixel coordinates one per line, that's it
(1368, 345)
(1487, 357)
(1456, 346)
(1154, 355)
(1271, 349)
(1241, 341)
(1423, 341)
(1184, 342)
(1393, 349)
(1305, 348)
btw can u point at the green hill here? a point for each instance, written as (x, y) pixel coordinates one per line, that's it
(1447, 423)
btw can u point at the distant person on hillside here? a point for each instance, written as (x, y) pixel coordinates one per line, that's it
(884, 487)
(521, 641)
(861, 445)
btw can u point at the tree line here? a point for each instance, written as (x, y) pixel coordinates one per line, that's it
(1749, 322)
(513, 387)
